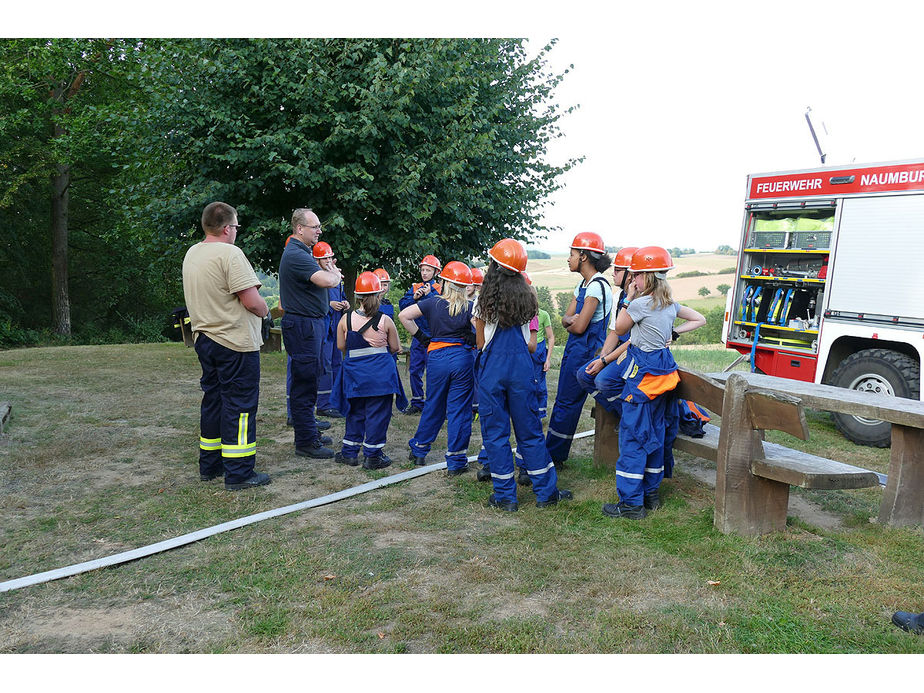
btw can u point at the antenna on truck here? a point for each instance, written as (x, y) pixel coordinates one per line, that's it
(808, 119)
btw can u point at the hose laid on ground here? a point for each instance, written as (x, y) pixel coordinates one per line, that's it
(168, 544)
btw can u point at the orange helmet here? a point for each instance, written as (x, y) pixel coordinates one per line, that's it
(367, 283)
(457, 273)
(509, 253)
(322, 250)
(526, 277)
(288, 239)
(588, 240)
(477, 276)
(651, 258)
(382, 275)
(624, 257)
(432, 261)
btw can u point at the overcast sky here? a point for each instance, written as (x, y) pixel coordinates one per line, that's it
(679, 101)
(678, 104)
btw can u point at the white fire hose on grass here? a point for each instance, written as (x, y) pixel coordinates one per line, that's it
(168, 544)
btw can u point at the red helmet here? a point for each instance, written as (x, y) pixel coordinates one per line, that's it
(382, 275)
(526, 277)
(367, 283)
(457, 273)
(651, 258)
(509, 253)
(477, 276)
(322, 250)
(432, 261)
(288, 239)
(624, 257)
(588, 240)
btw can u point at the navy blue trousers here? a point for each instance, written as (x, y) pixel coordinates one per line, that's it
(304, 339)
(228, 415)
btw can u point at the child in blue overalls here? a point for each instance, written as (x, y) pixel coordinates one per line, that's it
(386, 306)
(586, 321)
(649, 410)
(368, 378)
(417, 360)
(507, 381)
(450, 366)
(602, 377)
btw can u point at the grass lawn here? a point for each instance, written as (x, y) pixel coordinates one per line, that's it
(100, 457)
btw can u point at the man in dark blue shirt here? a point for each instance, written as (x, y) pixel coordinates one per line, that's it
(303, 285)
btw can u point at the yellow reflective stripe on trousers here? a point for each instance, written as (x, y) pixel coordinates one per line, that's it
(243, 448)
(209, 443)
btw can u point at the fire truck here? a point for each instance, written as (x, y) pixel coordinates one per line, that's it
(830, 282)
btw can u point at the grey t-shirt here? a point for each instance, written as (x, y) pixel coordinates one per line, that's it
(652, 326)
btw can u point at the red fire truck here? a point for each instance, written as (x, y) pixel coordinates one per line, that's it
(829, 288)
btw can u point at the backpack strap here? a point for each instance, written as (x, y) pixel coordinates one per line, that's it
(373, 322)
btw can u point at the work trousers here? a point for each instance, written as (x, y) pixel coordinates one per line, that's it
(366, 425)
(228, 414)
(304, 338)
(417, 365)
(450, 382)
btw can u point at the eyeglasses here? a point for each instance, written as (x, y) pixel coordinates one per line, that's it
(314, 227)
(236, 227)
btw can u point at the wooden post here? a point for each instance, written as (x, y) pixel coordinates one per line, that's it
(903, 498)
(744, 503)
(606, 438)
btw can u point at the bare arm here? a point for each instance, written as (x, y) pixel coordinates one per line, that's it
(329, 276)
(253, 301)
(479, 333)
(568, 317)
(408, 316)
(533, 341)
(694, 320)
(582, 320)
(391, 333)
(341, 334)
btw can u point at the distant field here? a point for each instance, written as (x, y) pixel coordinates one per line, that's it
(553, 273)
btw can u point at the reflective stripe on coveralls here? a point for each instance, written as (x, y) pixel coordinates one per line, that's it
(569, 400)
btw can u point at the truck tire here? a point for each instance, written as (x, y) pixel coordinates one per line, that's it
(875, 370)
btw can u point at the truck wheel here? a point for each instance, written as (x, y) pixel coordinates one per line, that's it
(881, 371)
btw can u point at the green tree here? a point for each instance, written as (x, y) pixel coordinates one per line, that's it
(403, 147)
(724, 289)
(704, 291)
(67, 151)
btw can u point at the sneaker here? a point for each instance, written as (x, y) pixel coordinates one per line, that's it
(330, 414)
(255, 479)
(377, 462)
(340, 458)
(419, 461)
(913, 623)
(323, 425)
(631, 512)
(412, 410)
(457, 472)
(652, 501)
(561, 494)
(506, 506)
(523, 478)
(316, 451)
(483, 474)
(210, 477)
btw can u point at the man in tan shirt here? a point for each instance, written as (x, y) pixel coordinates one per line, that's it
(226, 313)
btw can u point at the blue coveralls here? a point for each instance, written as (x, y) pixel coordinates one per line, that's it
(606, 388)
(507, 391)
(228, 414)
(363, 391)
(569, 401)
(450, 383)
(330, 354)
(418, 357)
(542, 390)
(649, 423)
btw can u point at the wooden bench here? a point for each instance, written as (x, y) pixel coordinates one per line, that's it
(753, 477)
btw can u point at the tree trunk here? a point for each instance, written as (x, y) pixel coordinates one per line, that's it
(60, 183)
